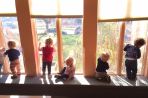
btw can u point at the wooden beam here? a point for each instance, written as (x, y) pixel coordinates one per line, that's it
(90, 36)
(120, 49)
(27, 36)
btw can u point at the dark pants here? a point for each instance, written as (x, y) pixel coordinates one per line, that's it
(62, 74)
(48, 64)
(131, 68)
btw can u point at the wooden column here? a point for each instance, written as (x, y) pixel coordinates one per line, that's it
(120, 49)
(90, 36)
(27, 36)
(59, 41)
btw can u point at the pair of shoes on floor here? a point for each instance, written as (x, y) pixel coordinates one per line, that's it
(13, 77)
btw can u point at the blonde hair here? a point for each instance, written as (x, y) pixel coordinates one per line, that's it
(11, 44)
(49, 41)
(71, 59)
(105, 56)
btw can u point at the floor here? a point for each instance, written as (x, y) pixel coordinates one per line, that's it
(78, 80)
(79, 87)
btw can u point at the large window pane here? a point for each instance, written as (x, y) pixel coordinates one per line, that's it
(121, 9)
(139, 8)
(7, 6)
(107, 41)
(44, 7)
(72, 40)
(71, 7)
(11, 32)
(57, 7)
(117, 9)
(46, 28)
(136, 29)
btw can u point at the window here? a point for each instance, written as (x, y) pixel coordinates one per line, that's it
(122, 9)
(57, 7)
(7, 6)
(72, 40)
(11, 32)
(136, 29)
(107, 40)
(45, 28)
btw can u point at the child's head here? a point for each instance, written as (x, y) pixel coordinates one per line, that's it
(49, 41)
(139, 42)
(11, 44)
(69, 61)
(105, 57)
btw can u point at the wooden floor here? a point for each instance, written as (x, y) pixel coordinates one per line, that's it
(78, 80)
(79, 87)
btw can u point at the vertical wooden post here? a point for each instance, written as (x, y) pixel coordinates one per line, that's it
(145, 61)
(59, 41)
(90, 36)
(27, 36)
(120, 49)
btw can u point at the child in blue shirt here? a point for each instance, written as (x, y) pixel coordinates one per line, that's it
(132, 53)
(13, 55)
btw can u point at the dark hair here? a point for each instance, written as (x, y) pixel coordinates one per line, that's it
(139, 42)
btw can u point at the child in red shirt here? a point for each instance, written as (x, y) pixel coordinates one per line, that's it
(47, 56)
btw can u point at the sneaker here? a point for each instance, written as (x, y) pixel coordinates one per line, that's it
(13, 77)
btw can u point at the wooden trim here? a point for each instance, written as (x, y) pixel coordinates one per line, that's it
(56, 16)
(123, 19)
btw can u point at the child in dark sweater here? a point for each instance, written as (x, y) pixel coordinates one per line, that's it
(102, 66)
(132, 53)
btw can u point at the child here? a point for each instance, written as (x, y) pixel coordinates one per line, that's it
(47, 56)
(13, 55)
(1, 58)
(132, 54)
(67, 72)
(102, 66)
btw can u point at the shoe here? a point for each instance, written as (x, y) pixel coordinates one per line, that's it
(13, 77)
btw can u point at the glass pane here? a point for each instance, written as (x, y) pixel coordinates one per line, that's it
(57, 7)
(46, 28)
(44, 7)
(7, 6)
(135, 29)
(71, 7)
(107, 41)
(72, 40)
(112, 9)
(11, 32)
(139, 8)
